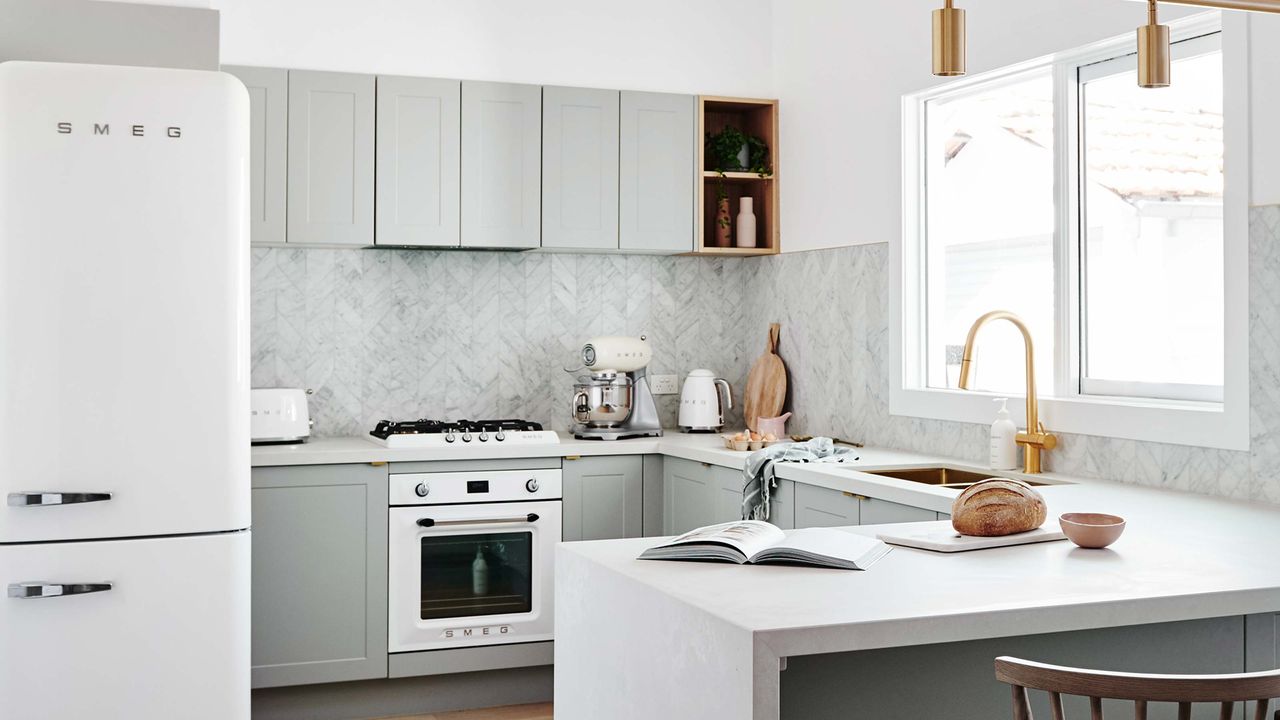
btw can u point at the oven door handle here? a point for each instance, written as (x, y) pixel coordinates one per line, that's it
(428, 522)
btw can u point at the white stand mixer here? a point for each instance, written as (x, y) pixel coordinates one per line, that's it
(615, 402)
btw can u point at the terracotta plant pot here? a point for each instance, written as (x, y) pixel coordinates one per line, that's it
(724, 224)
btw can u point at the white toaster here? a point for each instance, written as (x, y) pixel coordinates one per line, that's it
(278, 415)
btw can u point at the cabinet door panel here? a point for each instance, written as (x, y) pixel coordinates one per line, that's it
(268, 149)
(501, 165)
(603, 497)
(875, 512)
(728, 496)
(319, 574)
(656, 172)
(821, 507)
(689, 495)
(579, 168)
(419, 138)
(782, 505)
(331, 129)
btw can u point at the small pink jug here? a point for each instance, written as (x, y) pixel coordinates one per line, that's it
(776, 426)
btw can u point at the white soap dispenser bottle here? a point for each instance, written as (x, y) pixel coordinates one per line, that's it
(1004, 439)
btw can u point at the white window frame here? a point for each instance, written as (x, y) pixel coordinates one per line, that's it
(1206, 423)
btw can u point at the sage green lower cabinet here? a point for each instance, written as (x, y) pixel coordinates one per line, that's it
(688, 494)
(822, 507)
(874, 511)
(728, 494)
(782, 505)
(319, 574)
(603, 497)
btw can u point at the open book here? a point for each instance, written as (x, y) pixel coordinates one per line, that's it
(753, 541)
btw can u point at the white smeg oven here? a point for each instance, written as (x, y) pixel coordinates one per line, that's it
(470, 558)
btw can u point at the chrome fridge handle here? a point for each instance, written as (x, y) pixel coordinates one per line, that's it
(42, 499)
(36, 590)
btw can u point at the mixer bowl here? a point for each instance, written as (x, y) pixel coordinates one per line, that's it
(603, 402)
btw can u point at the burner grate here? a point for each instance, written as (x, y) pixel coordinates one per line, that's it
(387, 428)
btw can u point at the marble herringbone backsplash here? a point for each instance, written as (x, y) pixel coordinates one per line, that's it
(406, 333)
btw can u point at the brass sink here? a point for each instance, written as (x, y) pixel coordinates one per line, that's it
(945, 477)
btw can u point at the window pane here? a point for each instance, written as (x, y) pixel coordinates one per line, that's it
(990, 223)
(1153, 224)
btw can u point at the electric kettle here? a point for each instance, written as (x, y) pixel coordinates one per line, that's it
(702, 402)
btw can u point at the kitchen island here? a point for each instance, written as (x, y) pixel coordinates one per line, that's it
(1192, 586)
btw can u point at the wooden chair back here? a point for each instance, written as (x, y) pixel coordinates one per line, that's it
(1223, 690)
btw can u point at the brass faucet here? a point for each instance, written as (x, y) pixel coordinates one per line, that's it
(1035, 439)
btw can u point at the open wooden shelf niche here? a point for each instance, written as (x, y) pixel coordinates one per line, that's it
(754, 117)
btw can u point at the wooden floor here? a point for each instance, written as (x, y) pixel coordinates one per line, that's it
(541, 711)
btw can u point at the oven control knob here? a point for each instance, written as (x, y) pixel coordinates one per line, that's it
(450, 437)
(483, 436)
(500, 436)
(422, 490)
(531, 485)
(466, 437)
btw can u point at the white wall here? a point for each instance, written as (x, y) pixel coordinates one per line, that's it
(842, 68)
(692, 46)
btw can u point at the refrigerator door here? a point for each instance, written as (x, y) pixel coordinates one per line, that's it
(123, 302)
(149, 629)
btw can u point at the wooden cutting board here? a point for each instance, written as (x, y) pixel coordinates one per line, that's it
(767, 384)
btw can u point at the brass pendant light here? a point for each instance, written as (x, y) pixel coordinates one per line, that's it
(1153, 51)
(948, 41)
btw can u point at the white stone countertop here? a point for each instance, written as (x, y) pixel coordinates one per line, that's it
(1182, 557)
(700, 448)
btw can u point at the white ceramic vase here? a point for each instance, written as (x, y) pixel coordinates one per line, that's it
(746, 223)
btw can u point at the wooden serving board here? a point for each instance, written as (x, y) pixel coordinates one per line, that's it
(941, 537)
(767, 384)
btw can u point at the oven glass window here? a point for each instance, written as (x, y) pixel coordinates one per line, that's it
(472, 575)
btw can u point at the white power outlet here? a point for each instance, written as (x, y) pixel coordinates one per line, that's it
(664, 384)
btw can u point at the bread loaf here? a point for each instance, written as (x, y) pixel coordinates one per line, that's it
(996, 507)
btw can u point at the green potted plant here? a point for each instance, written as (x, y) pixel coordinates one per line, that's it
(732, 150)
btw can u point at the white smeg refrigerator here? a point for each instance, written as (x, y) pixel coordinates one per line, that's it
(124, 443)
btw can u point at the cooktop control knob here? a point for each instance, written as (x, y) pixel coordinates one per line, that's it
(450, 437)
(531, 485)
(422, 490)
(466, 437)
(500, 436)
(484, 436)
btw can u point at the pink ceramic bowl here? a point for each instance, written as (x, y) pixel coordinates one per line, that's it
(1091, 530)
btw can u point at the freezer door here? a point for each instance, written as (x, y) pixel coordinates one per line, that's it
(123, 302)
(149, 629)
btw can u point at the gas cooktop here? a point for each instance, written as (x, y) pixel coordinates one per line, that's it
(461, 433)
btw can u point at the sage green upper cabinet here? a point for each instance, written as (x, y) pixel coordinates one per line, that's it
(603, 497)
(268, 149)
(331, 126)
(579, 168)
(657, 182)
(419, 136)
(501, 165)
